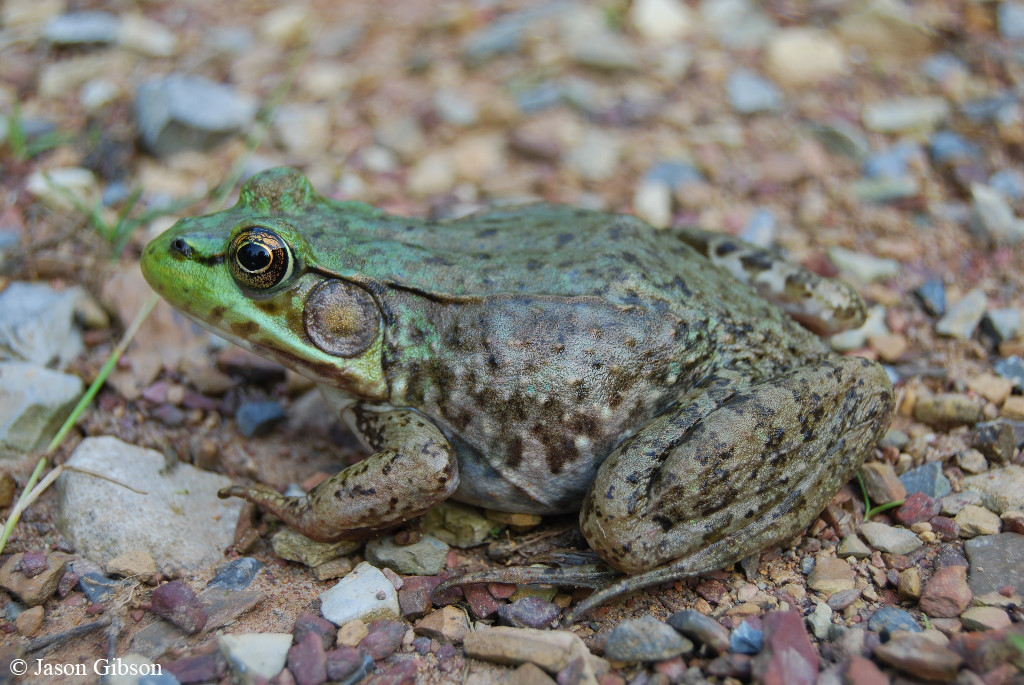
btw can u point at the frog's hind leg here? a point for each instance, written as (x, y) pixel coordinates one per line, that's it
(824, 305)
(413, 469)
(706, 484)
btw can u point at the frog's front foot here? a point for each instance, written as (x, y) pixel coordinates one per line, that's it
(413, 470)
(732, 471)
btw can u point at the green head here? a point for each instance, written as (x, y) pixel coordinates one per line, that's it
(249, 275)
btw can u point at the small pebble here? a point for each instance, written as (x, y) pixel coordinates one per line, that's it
(746, 639)
(702, 629)
(258, 418)
(927, 478)
(946, 593)
(529, 612)
(974, 521)
(932, 295)
(888, 620)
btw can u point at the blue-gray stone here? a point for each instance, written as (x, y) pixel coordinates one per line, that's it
(1009, 182)
(842, 138)
(891, 163)
(986, 109)
(932, 295)
(258, 418)
(1001, 324)
(12, 609)
(749, 92)
(645, 639)
(807, 565)
(1012, 369)
(83, 28)
(947, 147)
(942, 65)
(542, 97)
(165, 678)
(1011, 20)
(237, 574)
(746, 639)
(185, 112)
(761, 228)
(529, 612)
(674, 173)
(505, 34)
(97, 587)
(890, 619)
(928, 479)
(114, 193)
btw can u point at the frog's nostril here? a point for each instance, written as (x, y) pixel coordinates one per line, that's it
(181, 246)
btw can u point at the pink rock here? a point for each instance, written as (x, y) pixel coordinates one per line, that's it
(861, 671)
(916, 508)
(712, 590)
(946, 594)
(307, 661)
(177, 602)
(481, 603)
(384, 639)
(308, 623)
(788, 657)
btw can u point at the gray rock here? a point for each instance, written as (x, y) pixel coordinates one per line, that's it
(179, 520)
(37, 324)
(992, 218)
(701, 628)
(955, 501)
(258, 418)
(820, 620)
(890, 539)
(737, 24)
(749, 92)
(906, 114)
(365, 594)
(1012, 369)
(180, 112)
(949, 147)
(505, 35)
(963, 317)
(83, 28)
(455, 108)
(1001, 489)
(1001, 324)
(424, 558)
(236, 575)
(1011, 20)
(890, 619)
(928, 479)
(645, 639)
(932, 295)
(1009, 182)
(459, 525)
(853, 546)
(34, 402)
(843, 138)
(746, 639)
(863, 267)
(886, 188)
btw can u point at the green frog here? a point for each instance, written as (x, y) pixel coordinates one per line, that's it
(542, 359)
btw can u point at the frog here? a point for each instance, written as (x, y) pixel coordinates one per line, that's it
(669, 385)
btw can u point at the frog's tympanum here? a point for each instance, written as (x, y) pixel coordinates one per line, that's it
(542, 359)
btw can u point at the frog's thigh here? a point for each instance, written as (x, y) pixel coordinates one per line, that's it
(412, 469)
(751, 473)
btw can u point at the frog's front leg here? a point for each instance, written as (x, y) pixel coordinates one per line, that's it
(412, 469)
(725, 475)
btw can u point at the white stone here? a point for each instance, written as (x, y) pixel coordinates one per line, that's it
(652, 202)
(145, 36)
(905, 114)
(34, 402)
(799, 56)
(261, 654)
(890, 539)
(662, 20)
(365, 594)
(37, 324)
(65, 188)
(98, 92)
(140, 664)
(173, 514)
(303, 129)
(596, 157)
(432, 175)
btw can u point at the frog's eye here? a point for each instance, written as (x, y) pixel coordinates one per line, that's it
(260, 259)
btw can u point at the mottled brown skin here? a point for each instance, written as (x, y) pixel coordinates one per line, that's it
(543, 359)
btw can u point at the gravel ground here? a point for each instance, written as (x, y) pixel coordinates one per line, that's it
(879, 141)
